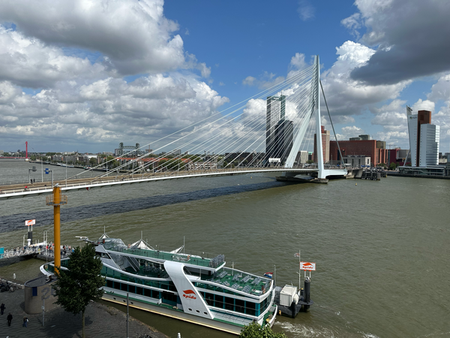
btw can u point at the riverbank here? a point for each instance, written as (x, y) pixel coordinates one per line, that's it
(101, 321)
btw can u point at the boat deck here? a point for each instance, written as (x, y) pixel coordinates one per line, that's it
(239, 281)
(169, 256)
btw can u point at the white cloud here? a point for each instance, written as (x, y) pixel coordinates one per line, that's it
(133, 36)
(423, 105)
(393, 114)
(410, 38)
(108, 110)
(441, 89)
(305, 10)
(350, 131)
(29, 62)
(249, 81)
(353, 24)
(346, 96)
(76, 53)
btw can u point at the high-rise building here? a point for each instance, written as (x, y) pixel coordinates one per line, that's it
(412, 129)
(423, 138)
(279, 131)
(429, 145)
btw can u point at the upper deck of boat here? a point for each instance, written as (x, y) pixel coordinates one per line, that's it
(238, 280)
(203, 262)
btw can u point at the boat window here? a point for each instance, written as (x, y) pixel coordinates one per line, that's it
(250, 310)
(139, 290)
(239, 305)
(229, 303)
(219, 301)
(209, 298)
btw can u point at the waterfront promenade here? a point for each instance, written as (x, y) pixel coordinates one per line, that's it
(101, 321)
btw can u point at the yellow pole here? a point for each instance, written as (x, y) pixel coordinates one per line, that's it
(57, 231)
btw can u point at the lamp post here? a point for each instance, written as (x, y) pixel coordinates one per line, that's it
(31, 169)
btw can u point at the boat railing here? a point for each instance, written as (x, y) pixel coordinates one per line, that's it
(193, 259)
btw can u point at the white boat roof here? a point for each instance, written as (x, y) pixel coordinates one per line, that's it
(141, 244)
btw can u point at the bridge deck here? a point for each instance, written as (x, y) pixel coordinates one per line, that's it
(18, 190)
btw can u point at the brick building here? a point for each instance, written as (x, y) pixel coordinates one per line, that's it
(376, 150)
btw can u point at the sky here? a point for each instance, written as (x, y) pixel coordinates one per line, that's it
(86, 75)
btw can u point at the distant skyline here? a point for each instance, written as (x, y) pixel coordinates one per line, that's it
(87, 75)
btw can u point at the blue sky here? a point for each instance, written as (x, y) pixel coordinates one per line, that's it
(86, 75)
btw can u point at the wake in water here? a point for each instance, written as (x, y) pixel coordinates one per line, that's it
(300, 330)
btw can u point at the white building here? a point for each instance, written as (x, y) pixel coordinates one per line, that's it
(412, 129)
(429, 145)
(357, 161)
(302, 157)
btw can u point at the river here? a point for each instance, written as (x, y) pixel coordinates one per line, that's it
(381, 247)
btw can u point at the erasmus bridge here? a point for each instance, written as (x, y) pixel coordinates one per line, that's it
(263, 134)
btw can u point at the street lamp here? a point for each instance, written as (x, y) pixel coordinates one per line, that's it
(33, 170)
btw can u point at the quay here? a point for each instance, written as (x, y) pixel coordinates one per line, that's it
(101, 321)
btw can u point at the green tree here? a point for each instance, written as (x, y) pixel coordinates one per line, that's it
(81, 283)
(393, 166)
(93, 161)
(254, 330)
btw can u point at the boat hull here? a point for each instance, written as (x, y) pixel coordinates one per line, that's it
(173, 313)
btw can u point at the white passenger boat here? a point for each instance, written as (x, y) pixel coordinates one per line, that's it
(187, 287)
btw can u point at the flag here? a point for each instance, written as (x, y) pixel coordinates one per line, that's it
(268, 274)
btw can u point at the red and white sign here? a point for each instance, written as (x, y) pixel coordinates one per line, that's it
(30, 222)
(189, 294)
(309, 266)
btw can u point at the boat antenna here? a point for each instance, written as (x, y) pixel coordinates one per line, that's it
(299, 271)
(275, 274)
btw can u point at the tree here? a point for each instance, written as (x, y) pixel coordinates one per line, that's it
(393, 166)
(81, 283)
(254, 330)
(93, 161)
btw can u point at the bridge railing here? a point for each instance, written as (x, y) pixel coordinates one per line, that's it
(146, 176)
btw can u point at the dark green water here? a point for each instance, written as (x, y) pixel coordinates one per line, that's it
(381, 248)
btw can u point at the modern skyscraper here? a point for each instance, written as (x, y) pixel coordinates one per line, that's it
(412, 129)
(429, 145)
(279, 131)
(423, 138)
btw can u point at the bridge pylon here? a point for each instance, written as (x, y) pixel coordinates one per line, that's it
(314, 111)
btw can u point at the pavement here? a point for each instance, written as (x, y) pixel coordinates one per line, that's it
(100, 321)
